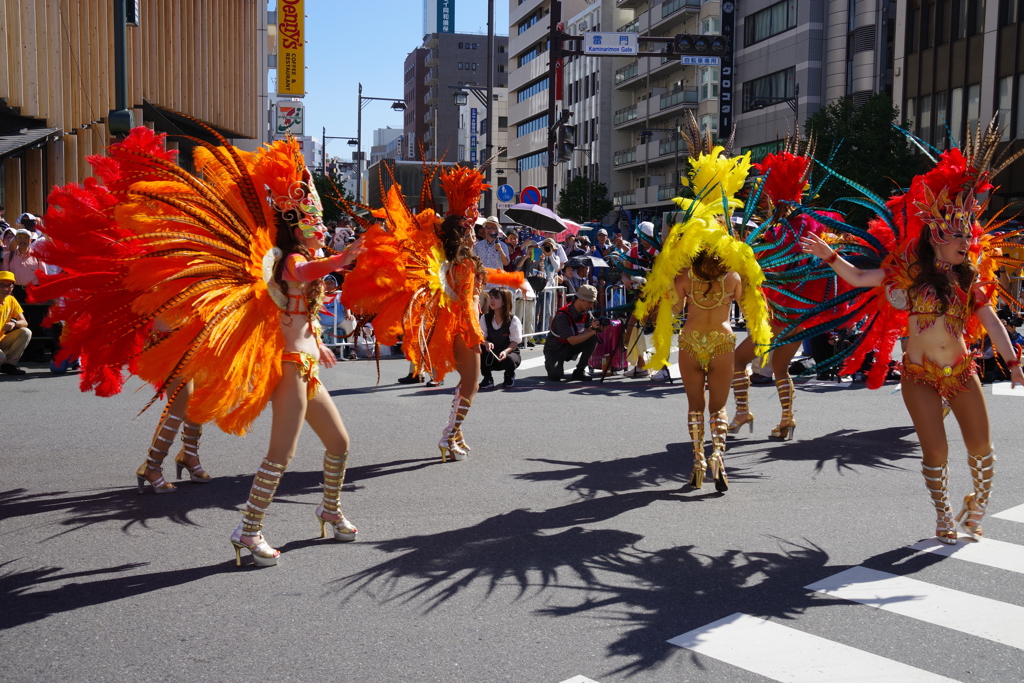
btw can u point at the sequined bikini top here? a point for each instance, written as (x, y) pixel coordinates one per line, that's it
(924, 302)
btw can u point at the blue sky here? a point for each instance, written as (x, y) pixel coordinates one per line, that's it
(353, 41)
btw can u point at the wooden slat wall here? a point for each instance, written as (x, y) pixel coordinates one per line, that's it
(198, 58)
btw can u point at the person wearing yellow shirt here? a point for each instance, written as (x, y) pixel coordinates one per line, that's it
(14, 334)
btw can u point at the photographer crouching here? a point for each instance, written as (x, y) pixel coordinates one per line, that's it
(573, 333)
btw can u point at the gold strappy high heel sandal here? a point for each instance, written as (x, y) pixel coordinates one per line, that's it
(716, 466)
(945, 531)
(334, 477)
(695, 421)
(741, 392)
(249, 535)
(787, 426)
(190, 434)
(969, 519)
(165, 434)
(449, 443)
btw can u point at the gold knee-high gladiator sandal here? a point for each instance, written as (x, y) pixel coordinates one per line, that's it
(695, 421)
(449, 444)
(937, 481)
(334, 477)
(787, 426)
(719, 427)
(741, 392)
(190, 433)
(248, 535)
(969, 519)
(155, 458)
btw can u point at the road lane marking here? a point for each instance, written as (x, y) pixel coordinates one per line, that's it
(1004, 389)
(989, 552)
(990, 619)
(786, 654)
(1014, 514)
(579, 679)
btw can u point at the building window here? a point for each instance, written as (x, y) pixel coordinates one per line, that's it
(941, 119)
(532, 161)
(1011, 10)
(709, 122)
(942, 22)
(959, 17)
(1005, 105)
(768, 90)
(709, 83)
(502, 123)
(976, 17)
(908, 115)
(711, 25)
(927, 21)
(924, 118)
(460, 46)
(526, 93)
(501, 68)
(460, 66)
(973, 106)
(528, 57)
(956, 116)
(530, 126)
(524, 26)
(769, 22)
(474, 66)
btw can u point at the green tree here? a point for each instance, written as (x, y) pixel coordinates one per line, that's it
(581, 200)
(861, 144)
(326, 189)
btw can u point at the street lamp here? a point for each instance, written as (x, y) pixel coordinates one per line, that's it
(323, 146)
(397, 105)
(485, 96)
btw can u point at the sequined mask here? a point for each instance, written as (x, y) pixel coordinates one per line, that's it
(945, 217)
(303, 199)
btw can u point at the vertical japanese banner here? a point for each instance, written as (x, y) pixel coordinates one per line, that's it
(446, 16)
(291, 48)
(725, 102)
(472, 134)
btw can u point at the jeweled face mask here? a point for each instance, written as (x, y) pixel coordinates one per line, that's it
(303, 199)
(946, 218)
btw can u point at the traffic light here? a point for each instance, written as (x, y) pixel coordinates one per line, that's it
(688, 44)
(566, 142)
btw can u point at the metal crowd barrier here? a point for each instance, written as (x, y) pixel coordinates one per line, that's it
(614, 296)
(539, 311)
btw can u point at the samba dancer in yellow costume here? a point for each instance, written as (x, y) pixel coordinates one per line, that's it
(702, 268)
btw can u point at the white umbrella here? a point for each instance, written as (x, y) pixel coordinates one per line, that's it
(536, 217)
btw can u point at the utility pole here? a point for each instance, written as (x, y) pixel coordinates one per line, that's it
(489, 195)
(359, 147)
(554, 94)
(121, 119)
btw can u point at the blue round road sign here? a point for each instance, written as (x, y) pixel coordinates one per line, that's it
(506, 193)
(530, 195)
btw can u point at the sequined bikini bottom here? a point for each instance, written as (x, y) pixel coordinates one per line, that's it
(704, 347)
(947, 380)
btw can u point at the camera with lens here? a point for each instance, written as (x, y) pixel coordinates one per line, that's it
(604, 322)
(547, 248)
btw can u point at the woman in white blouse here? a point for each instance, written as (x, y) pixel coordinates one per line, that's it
(503, 333)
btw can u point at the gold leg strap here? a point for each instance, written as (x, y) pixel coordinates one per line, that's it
(334, 478)
(982, 472)
(936, 480)
(267, 478)
(719, 428)
(741, 389)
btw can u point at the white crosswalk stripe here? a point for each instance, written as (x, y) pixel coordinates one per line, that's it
(579, 679)
(973, 614)
(784, 653)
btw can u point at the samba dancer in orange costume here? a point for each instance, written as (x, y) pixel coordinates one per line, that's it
(225, 261)
(932, 250)
(419, 279)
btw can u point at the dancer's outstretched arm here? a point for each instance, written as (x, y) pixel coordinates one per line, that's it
(1001, 340)
(812, 244)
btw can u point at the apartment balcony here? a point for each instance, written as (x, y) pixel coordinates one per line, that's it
(627, 72)
(432, 57)
(429, 116)
(430, 77)
(625, 115)
(430, 96)
(678, 99)
(624, 156)
(667, 193)
(624, 198)
(671, 146)
(674, 13)
(626, 4)
(631, 27)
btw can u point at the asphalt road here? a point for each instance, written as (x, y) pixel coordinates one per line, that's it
(568, 547)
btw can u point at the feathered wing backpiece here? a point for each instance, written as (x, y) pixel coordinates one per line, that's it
(714, 179)
(196, 254)
(405, 283)
(943, 200)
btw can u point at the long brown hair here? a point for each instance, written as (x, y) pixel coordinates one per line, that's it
(286, 242)
(926, 273)
(452, 234)
(708, 267)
